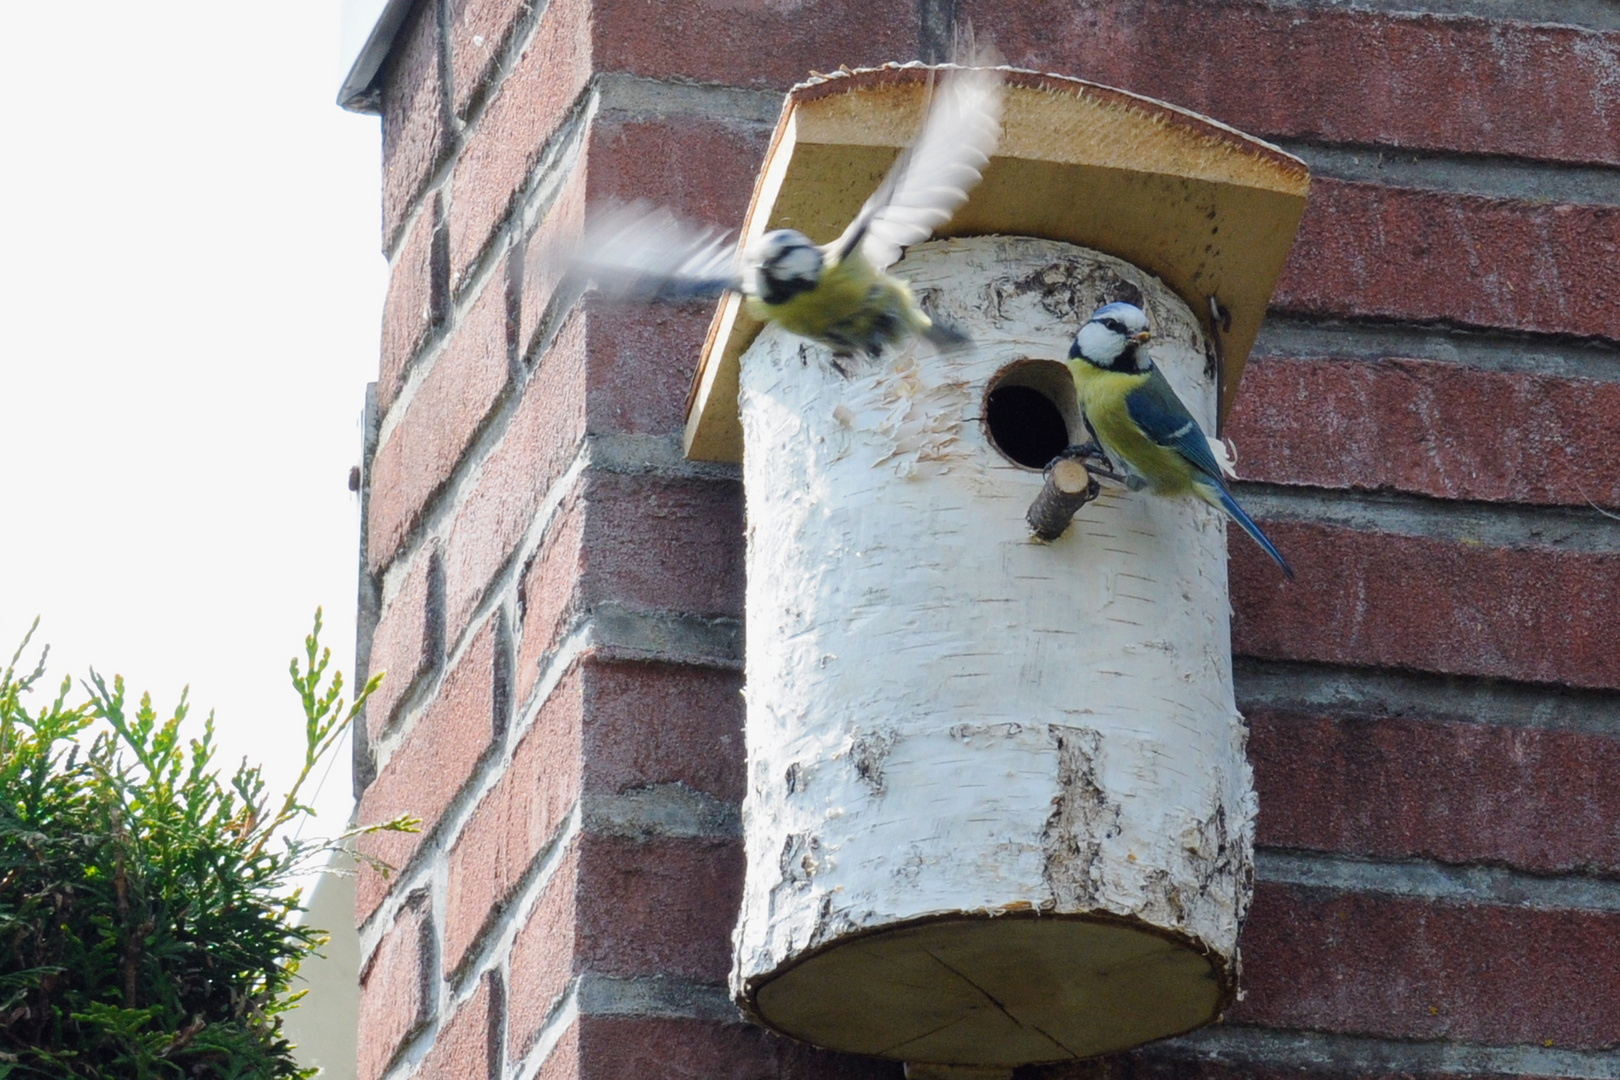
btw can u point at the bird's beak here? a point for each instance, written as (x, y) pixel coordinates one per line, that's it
(1143, 338)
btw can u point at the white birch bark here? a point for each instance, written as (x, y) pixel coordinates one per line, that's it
(946, 717)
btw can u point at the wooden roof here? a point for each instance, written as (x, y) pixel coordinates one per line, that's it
(1209, 210)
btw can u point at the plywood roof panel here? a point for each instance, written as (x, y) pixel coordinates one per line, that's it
(1208, 209)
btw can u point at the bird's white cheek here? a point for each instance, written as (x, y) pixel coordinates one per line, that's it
(1098, 343)
(800, 264)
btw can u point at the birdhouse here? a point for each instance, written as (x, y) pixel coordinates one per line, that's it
(998, 809)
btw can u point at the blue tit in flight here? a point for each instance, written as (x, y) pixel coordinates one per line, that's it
(1140, 423)
(840, 294)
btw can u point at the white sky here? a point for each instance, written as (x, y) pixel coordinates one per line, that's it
(190, 291)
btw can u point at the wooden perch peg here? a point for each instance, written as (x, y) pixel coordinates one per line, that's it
(1069, 486)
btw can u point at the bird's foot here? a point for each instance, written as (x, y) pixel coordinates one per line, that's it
(1095, 461)
(1086, 451)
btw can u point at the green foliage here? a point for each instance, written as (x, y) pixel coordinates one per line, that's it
(146, 904)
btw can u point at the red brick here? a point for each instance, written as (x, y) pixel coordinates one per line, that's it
(426, 770)
(400, 645)
(664, 723)
(616, 1047)
(439, 424)
(464, 1046)
(562, 1063)
(664, 544)
(1367, 251)
(415, 130)
(1544, 801)
(478, 31)
(543, 957)
(393, 989)
(702, 168)
(642, 358)
(643, 542)
(1423, 969)
(1377, 599)
(550, 592)
(625, 908)
(408, 311)
(541, 439)
(641, 365)
(750, 44)
(543, 261)
(1422, 81)
(660, 907)
(1430, 428)
(506, 143)
(516, 819)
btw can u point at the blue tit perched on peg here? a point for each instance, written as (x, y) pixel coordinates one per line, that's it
(840, 294)
(1140, 423)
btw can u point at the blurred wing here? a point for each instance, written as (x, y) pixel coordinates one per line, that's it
(641, 252)
(933, 175)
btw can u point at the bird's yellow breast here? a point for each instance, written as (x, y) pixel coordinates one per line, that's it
(853, 306)
(1102, 398)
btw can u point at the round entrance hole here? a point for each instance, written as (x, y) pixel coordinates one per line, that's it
(1030, 412)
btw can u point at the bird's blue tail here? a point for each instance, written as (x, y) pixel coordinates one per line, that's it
(1217, 495)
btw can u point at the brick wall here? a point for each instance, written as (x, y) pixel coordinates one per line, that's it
(1427, 421)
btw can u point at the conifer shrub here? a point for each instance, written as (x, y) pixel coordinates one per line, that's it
(147, 910)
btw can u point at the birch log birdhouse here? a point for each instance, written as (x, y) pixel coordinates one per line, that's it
(998, 809)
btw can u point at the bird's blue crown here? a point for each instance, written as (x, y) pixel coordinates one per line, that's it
(1110, 338)
(1117, 309)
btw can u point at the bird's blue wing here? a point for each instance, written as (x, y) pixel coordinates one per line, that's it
(1158, 412)
(1156, 409)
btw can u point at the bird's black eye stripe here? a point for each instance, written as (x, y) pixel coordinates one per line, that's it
(1113, 324)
